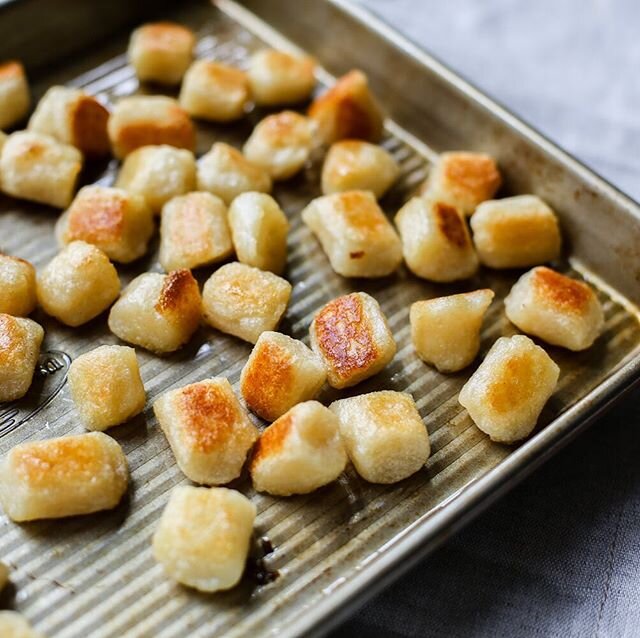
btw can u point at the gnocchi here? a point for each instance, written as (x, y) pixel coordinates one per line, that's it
(18, 286)
(15, 99)
(13, 625)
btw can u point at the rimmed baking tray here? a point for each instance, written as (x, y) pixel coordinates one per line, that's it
(325, 552)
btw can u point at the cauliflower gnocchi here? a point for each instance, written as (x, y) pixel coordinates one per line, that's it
(561, 310)
(352, 337)
(505, 395)
(214, 91)
(384, 435)
(281, 143)
(117, 222)
(18, 286)
(259, 229)
(203, 537)
(355, 234)
(357, 165)
(36, 167)
(106, 387)
(280, 373)
(20, 341)
(145, 120)
(226, 172)
(14, 94)
(244, 301)
(161, 52)
(158, 312)
(348, 110)
(435, 241)
(446, 331)
(194, 232)
(158, 174)
(61, 477)
(73, 117)
(77, 284)
(13, 625)
(515, 232)
(299, 452)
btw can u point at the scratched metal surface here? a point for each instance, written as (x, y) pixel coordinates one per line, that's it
(95, 576)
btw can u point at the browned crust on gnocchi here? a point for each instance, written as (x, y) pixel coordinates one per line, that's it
(11, 69)
(517, 383)
(165, 36)
(178, 292)
(476, 172)
(97, 218)
(177, 130)
(89, 121)
(560, 291)
(451, 225)
(272, 439)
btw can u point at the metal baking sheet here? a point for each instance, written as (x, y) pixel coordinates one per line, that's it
(322, 553)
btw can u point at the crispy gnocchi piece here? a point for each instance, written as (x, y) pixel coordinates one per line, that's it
(348, 110)
(14, 94)
(118, 222)
(561, 310)
(244, 301)
(73, 117)
(158, 312)
(13, 625)
(214, 91)
(106, 386)
(280, 373)
(435, 240)
(516, 232)
(18, 286)
(158, 174)
(226, 172)
(355, 234)
(463, 179)
(300, 452)
(61, 477)
(281, 143)
(446, 331)
(384, 435)
(259, 230)
(203, 537)
(36, 167)
(208, 430)
(20, 341)
(149, 120)
(161, 52)
(352, 337)
(357, 165)
(194, 232)
(505, 395)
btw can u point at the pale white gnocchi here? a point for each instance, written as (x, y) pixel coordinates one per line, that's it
(14, 94)
(13, 625)
(18, 286)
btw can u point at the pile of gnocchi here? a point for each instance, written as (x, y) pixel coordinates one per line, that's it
(217, 209)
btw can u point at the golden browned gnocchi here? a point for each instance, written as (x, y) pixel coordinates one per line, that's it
(117, 222)
(14, 94)
(146, 120)
(280, 373)
(13, 625)
(505, 395)
(259, 230)
(561, 310)
(226, 172)
(158, 173)
(194, 232)
(39, 168)
(158, 312)
(20, 341)
(357, 165)
(435, 240)
(161, 52)
(281, 143)
(61, 477)
(106, 387)
(352, 337)
(446, 331)
(203, 537)
(77, 284)
(208, 430)
(18, 286)
(383, 432)
(214, 91)
(355, 234)
(244, 301)
(299, 452)
(348, 110)
(73, 117)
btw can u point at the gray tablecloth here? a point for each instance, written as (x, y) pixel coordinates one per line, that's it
(559, 555)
